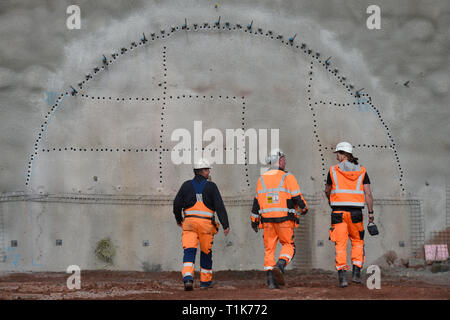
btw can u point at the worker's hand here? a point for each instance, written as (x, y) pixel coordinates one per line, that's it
(226, 231)
(180, 224)
(255, 226)
(303, 211)
(371, 217)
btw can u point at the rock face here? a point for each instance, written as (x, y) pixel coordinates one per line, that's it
(390, 260)
(391, 257)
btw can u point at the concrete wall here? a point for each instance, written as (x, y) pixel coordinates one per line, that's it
(98, 163)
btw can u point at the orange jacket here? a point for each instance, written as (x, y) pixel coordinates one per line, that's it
(347, 188)
(274, 191)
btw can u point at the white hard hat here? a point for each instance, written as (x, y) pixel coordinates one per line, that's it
(202, 163)
(344, 146)
(274, 156)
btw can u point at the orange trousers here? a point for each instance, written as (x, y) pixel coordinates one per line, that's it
(197, 230)
(284, 232)
(344, 225)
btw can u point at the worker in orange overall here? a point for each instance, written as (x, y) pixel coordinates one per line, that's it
(274, 210)
(199, 199)
(348, 189)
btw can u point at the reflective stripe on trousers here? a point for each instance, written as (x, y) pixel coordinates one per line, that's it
(341, 231)
(274, 232)
(195, 231)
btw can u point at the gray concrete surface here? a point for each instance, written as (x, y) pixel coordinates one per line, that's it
(98, 164)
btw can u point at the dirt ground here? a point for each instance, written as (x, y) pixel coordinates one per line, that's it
(236, 285)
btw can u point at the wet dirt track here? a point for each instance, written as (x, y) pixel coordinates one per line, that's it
(233, 285)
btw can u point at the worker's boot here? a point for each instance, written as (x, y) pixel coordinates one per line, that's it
(342, 278)
(278, 272)
(204, 286)
(188, 285)
(271, 282)
(356, 274)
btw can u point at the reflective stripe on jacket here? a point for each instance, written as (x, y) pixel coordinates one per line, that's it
(274, 191)
(347, 188)
(199, 208)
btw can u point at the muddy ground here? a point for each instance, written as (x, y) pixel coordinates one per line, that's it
(236, 285)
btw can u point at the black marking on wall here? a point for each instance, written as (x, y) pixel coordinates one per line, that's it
(315, 120)
(314, 56)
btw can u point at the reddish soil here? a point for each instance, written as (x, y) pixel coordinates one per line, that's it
(236, 285)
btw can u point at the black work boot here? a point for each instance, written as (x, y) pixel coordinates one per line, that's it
(281, 264)
(356, 274)
(206, 286)
(278, 272)
(342, 278)
(188, 285)
(271, 282)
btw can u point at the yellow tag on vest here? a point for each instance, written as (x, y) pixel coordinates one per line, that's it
(273, 197)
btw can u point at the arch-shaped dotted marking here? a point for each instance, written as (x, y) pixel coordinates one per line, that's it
(315, 56)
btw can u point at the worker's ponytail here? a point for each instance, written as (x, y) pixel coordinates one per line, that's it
(352, 159)
(349, 157)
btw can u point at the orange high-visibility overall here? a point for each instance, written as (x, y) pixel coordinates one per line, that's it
(198, 226)
(277, 217)
(347, 190)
